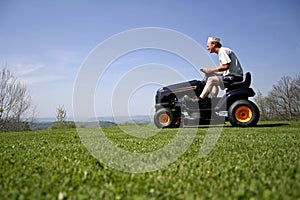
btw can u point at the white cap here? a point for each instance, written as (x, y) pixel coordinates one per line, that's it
(213, 39)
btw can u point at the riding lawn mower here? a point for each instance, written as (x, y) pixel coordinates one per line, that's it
(172, 110)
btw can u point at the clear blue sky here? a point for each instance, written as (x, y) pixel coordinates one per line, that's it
(44, 42)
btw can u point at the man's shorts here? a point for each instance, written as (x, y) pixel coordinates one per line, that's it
(229, 79)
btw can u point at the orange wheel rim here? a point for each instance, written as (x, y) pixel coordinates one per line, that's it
(164, 119)
(243, 114)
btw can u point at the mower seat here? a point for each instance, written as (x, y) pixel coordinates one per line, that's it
(245, 83)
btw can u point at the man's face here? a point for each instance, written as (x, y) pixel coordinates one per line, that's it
(210, 47)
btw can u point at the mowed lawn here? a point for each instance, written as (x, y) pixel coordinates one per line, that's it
(261, 163)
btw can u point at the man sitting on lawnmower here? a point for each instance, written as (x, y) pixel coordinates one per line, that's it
(229, 71)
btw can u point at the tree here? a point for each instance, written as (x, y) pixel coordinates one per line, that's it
(283, 101)
(61, 123)
(284, 98)
(295, 93)
(61, 115)
(261, 102)
(15, 101)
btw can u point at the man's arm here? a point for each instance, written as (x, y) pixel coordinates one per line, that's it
(220, 68)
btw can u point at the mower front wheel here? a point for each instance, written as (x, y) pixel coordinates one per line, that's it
(164, 118)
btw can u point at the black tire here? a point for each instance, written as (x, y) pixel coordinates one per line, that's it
(243, 113)
(164, 118)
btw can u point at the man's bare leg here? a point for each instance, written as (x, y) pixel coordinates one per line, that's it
(212, 82)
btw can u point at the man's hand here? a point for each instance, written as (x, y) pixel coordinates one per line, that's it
(205, 70)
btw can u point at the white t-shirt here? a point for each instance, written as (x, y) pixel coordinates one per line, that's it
(226, 56)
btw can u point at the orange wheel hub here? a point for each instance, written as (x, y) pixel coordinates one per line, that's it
(164, 119)
(243, 114)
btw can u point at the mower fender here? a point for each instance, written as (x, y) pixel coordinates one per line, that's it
(232, 96)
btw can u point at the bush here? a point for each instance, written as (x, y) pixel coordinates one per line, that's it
(71, 125)
(63, 125)
(59, 125)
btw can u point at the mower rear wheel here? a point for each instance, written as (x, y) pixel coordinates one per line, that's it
(243, 113)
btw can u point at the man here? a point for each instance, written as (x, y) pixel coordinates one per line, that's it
(228, 71)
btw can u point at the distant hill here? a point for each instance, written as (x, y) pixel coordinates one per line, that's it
(46, 123)
(95, 124)
(40, 125)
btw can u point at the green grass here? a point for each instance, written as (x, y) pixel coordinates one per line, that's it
(259, 163)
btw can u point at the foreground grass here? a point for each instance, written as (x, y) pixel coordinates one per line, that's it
(260, 163)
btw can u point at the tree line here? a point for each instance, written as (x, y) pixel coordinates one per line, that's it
(281, 103)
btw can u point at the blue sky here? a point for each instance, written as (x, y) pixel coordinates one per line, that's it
(44, 43)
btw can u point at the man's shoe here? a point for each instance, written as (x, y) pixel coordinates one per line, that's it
(189, 99)
(201, 102)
